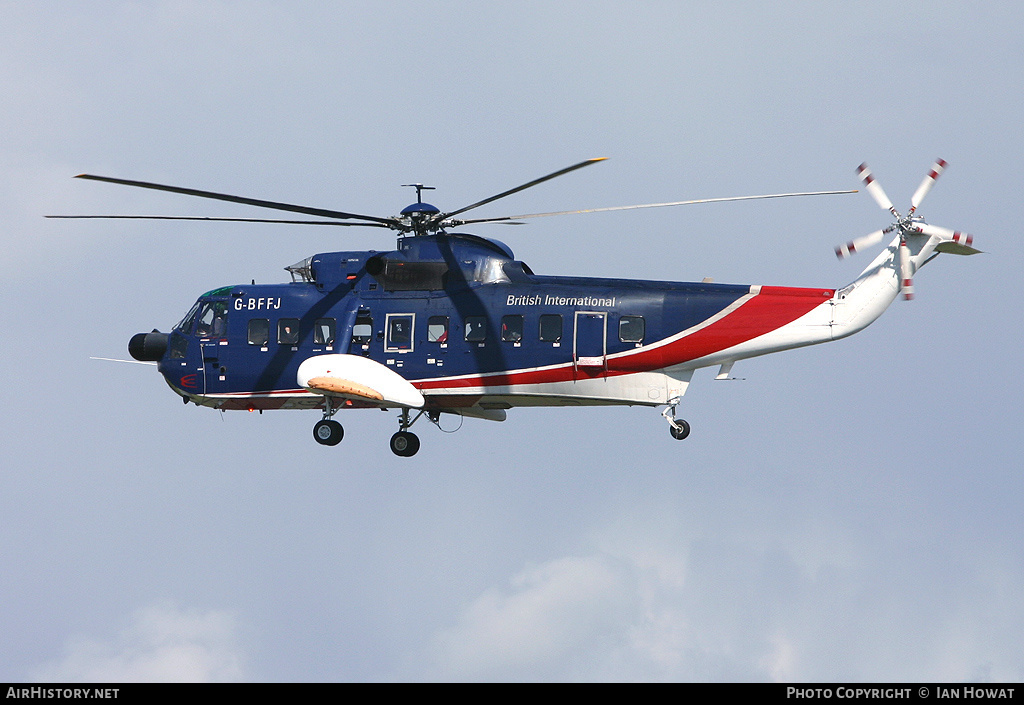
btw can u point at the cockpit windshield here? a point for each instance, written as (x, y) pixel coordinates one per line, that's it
(185, 325)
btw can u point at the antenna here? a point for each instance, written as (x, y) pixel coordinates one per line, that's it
(420, 188)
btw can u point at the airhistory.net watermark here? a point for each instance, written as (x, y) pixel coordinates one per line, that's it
(61, 693)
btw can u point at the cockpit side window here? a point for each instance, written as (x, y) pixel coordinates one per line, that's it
(213, 320)
(178, 346)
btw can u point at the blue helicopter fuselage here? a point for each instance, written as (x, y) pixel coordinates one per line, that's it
(464, 321)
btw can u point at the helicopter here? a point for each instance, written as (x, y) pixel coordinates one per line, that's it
(452, 323)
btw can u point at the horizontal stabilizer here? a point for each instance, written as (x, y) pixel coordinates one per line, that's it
(956, 248)
(357, 378)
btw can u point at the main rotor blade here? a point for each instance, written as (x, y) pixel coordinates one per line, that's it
(875, 189)
(322, 212)
(937, 168)
(653, 205)
(517, 189)
(229, 220)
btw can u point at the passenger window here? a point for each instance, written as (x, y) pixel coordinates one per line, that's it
(437, 329)
(631, 329)
(362, 331)
(323, 333)
(512, 328)
(259, 331)
(399, 332)
(288, 331)
(476, 329)
(551, 327)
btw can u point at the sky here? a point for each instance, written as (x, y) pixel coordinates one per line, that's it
(847, 512)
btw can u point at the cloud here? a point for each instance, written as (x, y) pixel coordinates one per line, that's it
(684, 606)
(549, 613)
(162, 644)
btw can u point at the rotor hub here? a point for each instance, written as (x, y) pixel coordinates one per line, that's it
(419, 210)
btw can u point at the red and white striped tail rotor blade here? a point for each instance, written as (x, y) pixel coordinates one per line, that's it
(944, 233)
(855, 246)
(951, 241)
(873, 187)
(937, 168)
(906, 271)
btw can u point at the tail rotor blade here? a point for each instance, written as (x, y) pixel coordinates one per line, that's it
(952, 241)
(944, 233)
(937, 168)
(876, 191)
(906, 271)
(855, 246)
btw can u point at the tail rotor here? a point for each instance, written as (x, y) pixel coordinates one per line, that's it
(913, 231)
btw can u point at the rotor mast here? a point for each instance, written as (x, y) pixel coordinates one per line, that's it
(420, 215)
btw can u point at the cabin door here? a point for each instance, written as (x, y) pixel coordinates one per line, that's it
(589, 347)
(212, 332)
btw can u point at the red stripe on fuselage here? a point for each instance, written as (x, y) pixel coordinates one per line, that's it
(772, 308)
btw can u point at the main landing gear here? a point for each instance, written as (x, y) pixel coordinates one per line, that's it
(679, 428)
(404, 444)
(328, 432)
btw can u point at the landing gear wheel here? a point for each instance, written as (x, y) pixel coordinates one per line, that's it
(681, 432)
(328, 433)
(405, 444)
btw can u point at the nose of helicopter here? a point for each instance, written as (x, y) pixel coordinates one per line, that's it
(148, 347)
